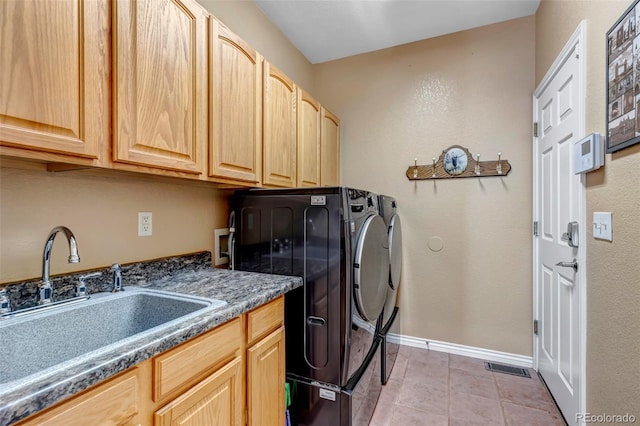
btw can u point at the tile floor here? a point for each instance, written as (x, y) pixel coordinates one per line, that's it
(429, 388)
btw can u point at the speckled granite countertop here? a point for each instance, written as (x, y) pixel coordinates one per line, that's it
(242, 291)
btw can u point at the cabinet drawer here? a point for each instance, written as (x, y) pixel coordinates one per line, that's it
(263, 320)
(113, 403)
(182, 366)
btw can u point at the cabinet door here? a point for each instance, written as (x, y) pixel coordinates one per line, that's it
(235, 143)
(330, 149)
(159, 84)
(218, 400)
(308, 140)
(265, 380)
(115, 402)
(279, 141)
(53, 79)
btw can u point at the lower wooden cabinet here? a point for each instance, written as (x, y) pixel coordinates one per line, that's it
(265, 380)
(116, 402)
(209, 380)
(219, 397)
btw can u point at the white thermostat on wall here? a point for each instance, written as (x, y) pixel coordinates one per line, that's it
(589, 153)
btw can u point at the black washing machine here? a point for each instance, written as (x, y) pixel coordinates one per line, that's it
(336, 240)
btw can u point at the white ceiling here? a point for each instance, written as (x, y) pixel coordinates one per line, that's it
(324, 30)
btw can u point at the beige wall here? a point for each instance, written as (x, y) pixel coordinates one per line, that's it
(471, 88)
(244, 18)
(101, 209)
(613, 268)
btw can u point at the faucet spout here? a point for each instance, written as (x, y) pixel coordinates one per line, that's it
(46, 291)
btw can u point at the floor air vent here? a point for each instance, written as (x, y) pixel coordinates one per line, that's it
(499, 368)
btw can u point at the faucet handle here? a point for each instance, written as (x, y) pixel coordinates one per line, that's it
(117, 277)
(5, 303)
(45, 293)
(81, 287)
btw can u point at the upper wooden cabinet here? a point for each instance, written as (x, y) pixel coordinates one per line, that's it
(235, 108)
(160, 84)
(155, 86)
(54, 76)
(308, 140)
(330, 149)
(279, 141)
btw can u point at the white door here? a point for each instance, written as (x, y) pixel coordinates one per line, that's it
(558, 200)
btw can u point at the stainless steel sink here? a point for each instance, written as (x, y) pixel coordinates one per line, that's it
(41, 340)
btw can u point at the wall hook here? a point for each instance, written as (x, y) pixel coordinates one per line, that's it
(457, 162)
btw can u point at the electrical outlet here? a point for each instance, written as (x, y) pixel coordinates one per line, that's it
(145, 228)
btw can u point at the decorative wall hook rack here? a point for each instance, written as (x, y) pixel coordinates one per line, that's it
(457, 162)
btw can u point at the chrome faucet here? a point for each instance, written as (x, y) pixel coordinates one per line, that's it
(117, 278)
(45, 290)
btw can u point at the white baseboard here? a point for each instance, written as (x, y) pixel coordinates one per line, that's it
(470, 351)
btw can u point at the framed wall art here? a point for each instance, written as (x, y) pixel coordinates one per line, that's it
(623, 80)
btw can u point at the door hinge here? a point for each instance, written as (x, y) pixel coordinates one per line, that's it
(535, 130)
(535, 228)
(535, 327)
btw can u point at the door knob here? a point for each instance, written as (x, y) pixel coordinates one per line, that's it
(573, 264)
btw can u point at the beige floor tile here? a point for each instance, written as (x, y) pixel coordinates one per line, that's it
(430, 356)
(467, 422)
(391, 390)
(404, 416)
(422, 397)
(533, 394)
(472, 408)
(473, 365)
(428, 372)
(517, 415)
(467, 382)
(399, 368)
(382, 414)
(410, 351)
(434, 388)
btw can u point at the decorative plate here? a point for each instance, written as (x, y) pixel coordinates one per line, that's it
(455, 161)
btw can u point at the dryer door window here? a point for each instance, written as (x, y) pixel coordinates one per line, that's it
(371, 268)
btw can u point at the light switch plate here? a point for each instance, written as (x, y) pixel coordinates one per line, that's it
(602, 226)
